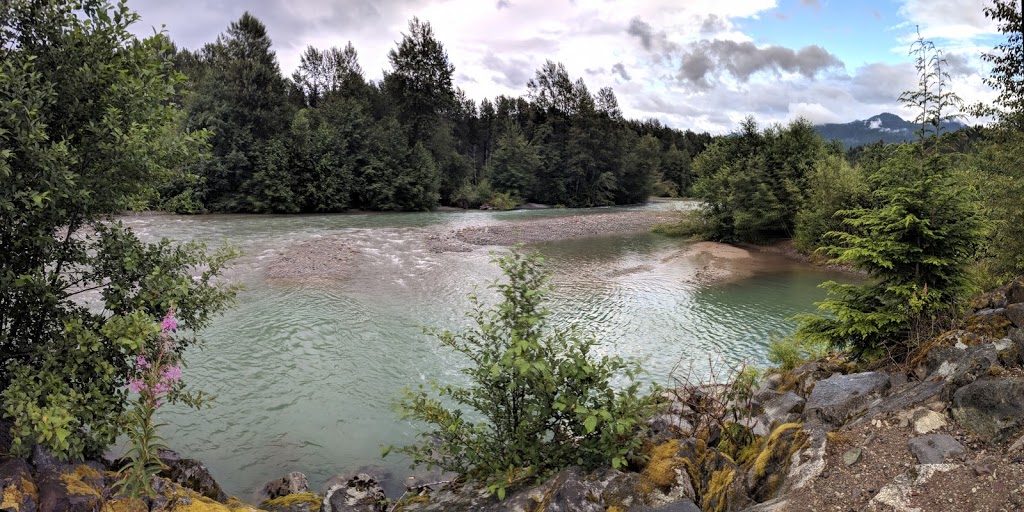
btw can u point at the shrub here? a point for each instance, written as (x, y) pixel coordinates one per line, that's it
(502, 201)
(791, 351)
(541, 398)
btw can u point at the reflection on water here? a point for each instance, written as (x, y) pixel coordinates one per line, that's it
(305, 373)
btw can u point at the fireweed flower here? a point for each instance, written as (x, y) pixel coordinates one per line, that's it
(170, 323)
(155, 376)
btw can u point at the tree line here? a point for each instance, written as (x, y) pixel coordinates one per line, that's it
(929, 222)
(327, 139)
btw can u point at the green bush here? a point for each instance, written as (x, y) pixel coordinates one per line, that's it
(502, 201)
(538, 399)
(690, 225)
(791, 351)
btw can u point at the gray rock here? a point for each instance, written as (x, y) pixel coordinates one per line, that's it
(191, 474)
(852, 456)
(1015, 313)
(294, 483)
(678, 506)
(361, 493)
(781, 407)
(839, 398)
(15, 483)
(669, 423)
(935, 448)
(907, 397)
(1015, 292)
(960, 367)
(991, 409)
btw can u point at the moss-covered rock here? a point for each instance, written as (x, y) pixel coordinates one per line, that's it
(301, 502)
(18, 491)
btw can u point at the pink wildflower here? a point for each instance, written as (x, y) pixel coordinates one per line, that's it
(170, 323)
(140, 362)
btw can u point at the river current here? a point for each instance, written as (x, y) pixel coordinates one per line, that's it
(305, 371)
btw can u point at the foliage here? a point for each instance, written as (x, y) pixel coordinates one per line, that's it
(916, 239)
(691, 224)
(753, 182)
(502, 201)
(87, 127)
(540, 398)
(789, 352)
(1007, 59)
(833, 185)
(998, 173)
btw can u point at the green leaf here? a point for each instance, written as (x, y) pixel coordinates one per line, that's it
(590, 423)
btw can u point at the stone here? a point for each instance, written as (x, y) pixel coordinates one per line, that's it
(17, 489)
(897, 494)
(361, 493)
(294, 483)
(1015, 313)
(670, 424)
(935, 448)
(191, 474)
(781, 407)
(678, 506)
(1015, 292)
(70, 488)
(959, 367)
(837, 399)
(927, 421)
(852, 456)
(991, 409)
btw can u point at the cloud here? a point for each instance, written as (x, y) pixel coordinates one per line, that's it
(504, 4)
(513, 73)
(948, 19)
(742, 60)
(620, 70)
(712, 25)
(655, 42)
(959, 65)
(814, 4)
(882, 83)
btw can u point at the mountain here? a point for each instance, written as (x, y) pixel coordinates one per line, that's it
(886, 127)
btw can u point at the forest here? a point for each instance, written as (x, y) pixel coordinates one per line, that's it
(327, 139)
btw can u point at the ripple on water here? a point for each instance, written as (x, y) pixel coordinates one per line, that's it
(305, 373)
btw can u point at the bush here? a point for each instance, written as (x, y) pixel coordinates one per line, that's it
(791, 351)
(541, 399)
(502, 201)
(690, 225)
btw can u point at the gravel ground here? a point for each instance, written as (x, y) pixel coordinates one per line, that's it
(560, 228)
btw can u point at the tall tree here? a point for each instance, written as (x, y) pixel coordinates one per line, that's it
(87, 129)
(241, 97)
(1007, 59)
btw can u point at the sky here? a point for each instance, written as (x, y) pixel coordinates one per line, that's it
(702, 65)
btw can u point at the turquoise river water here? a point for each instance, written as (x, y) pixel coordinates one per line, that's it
(305, 371)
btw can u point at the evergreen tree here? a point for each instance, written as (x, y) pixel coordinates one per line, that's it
(514, 163)
(915, 240)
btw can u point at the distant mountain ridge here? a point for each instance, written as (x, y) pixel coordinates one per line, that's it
(888, 128)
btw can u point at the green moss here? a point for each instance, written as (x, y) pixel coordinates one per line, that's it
(308, 498)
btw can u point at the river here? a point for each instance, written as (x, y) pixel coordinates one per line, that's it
(305, 370)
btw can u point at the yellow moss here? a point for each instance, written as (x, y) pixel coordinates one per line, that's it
(661, 466)
(236, 504)
(717, 496)
(992, 326)
(615, 508)
(788, 382)
(748, 452)
(837, 437)
(76, 485)
(125, 505)
(295, 499)
(773, 449)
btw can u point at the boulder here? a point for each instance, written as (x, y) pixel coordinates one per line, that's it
(294, 483)
(191, 474)
(302, 502)
(70, 488)
(958, 367)
(991, 409)
(839, 398)
(1015, 313)
(782, 408)
(1015, 292)
(896, 495)
(17, 488)
(360, 493)
(935, 448)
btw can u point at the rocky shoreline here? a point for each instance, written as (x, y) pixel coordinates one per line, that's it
(945, 431)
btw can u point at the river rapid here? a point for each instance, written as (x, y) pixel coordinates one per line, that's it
(306, 366)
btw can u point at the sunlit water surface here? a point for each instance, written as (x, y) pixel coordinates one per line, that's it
(305, 373)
